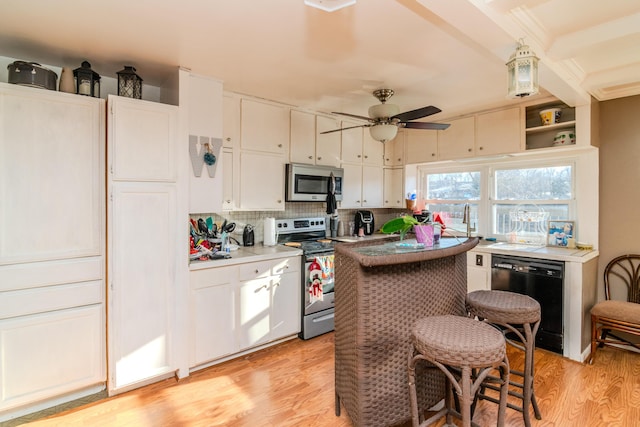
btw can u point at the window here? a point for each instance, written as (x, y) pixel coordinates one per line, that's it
(500, 193)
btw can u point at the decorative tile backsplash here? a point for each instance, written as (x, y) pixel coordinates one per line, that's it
(294, 210)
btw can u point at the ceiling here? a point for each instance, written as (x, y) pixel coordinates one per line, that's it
(450, 54)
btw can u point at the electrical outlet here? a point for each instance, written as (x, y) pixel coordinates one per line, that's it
(479, 259)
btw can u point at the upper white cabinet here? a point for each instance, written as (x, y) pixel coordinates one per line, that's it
(394, 150)
(498, 132)
(261, 181)
(264, 126)
(458, 141)
(352, 148)
(147, 267)
(303, 137)
(372, 150)
(421, 146)
(146, 149)
(201, 105)
(363, 186)
(51, 175)
(328, 144)
(230, 120)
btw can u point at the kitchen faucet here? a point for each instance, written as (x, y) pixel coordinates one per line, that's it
(466, 219)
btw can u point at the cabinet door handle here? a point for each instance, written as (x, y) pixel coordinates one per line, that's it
(469, 149)
(366, 157)
(480, 148)
(279, 201)
(433, 154)
(228, 139)
(359, 156)
(319, 158)
(257, 271)
(279, 145)
(310, 157)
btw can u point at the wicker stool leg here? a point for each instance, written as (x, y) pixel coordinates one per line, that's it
(413, 396)
(529, 395)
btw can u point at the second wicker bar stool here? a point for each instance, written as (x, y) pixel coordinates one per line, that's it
(466, 351)
(519, 317)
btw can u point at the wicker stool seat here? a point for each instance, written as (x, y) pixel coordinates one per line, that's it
(466, 351)
(518, 315)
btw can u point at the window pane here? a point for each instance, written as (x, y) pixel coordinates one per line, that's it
(550, 183)
(453, 186)
(503, 225)
(452, 213)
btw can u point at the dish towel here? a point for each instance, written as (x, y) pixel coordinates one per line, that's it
(314, 286)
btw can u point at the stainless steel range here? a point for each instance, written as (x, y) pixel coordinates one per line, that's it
(317, 280)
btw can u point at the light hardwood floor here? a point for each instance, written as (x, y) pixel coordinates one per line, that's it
(291, 384)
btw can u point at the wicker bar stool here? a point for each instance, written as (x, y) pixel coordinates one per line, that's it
(519, 315)
(460, 347)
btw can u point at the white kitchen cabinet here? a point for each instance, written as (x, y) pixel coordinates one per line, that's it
(213, 324)
(328, 144)
(230, 120)
(201, 108)
(498, 132)
(52, 247)
(229, 182)
(458, 141)
(264, 126)
(394, 150)
(393, 188)
(352, 142)
(363, 186)
(478, 271)
(261, 181)
(269, 301)
(303, 137)
(308, 146)
(146, 268)
(51, 175)
(372, 186)
(372, 150)
(421, 146)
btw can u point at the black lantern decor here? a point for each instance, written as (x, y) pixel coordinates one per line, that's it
(87, 80)
(129, 83)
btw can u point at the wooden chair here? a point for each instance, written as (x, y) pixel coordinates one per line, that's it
(612, 314)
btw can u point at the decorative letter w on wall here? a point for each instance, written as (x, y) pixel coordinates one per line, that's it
(205, 152)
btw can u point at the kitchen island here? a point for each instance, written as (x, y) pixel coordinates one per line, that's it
(381, 289)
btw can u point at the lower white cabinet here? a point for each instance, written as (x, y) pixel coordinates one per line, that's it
(237, 307)
(478, 271)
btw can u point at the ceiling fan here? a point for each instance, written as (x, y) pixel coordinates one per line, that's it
(385, 119)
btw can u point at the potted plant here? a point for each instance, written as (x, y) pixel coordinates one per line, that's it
(401, 224)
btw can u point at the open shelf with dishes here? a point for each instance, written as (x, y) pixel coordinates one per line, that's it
(539, 135)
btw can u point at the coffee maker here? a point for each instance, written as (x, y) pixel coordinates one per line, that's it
(364, 220)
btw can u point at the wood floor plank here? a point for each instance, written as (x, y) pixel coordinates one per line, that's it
(292, 384)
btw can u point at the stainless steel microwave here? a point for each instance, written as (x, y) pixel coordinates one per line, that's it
(309, 183)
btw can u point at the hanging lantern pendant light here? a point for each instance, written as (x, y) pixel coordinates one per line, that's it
(523, 72)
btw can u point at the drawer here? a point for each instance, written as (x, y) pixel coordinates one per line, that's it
(50, 298)
(255, 270)
(286, 265)
(200, 279)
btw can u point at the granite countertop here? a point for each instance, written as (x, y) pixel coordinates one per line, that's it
(246, 254)
(540, 252)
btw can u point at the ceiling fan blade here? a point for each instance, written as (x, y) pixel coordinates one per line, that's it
(338, 130)
(417, 114)
(423, 125)
(353, 115)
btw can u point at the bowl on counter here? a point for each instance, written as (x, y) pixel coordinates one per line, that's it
(550, 116)
(565, 137)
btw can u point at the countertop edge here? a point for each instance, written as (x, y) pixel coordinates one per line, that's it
(409, 257)
(539, 253)
(248, 254)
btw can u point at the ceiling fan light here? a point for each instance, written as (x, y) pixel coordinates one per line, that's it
(383, 133)
(383, 110)
(522, 70)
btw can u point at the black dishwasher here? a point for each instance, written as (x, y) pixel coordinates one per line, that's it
(541, 280)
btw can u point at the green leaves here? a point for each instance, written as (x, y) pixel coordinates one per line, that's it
(401, 224)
